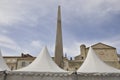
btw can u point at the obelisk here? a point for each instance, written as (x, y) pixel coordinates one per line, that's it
(59, 44)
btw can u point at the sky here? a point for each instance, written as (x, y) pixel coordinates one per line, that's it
(26, 26)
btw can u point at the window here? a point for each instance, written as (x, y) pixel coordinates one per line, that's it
(82, 57)
(23, 64)
(12, 67)
(76, 68)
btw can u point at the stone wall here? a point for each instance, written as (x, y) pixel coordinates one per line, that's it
(98, 76)
(2, 76)
(58, 76)
(38, 76)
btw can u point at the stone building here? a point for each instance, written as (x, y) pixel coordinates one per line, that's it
(106, 53)
(16, 62)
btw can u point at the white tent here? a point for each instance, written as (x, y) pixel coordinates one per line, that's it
(3, 65)
(43, 63)
(93, 63)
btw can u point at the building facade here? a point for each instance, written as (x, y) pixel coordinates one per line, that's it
(17, 62)
(106, 53)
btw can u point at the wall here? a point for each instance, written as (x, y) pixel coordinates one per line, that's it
(108, 55)
(26, 62)
(59, 76)
(98, 76)
(38, 76)
(2, 76)
(11, 62)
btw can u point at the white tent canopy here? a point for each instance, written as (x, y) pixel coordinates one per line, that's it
(43, 63)
(3, 65)
(93, 63)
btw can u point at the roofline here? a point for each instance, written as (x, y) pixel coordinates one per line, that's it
(16, 57)
(103, 44)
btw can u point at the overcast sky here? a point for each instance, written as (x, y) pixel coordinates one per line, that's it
(28, 25)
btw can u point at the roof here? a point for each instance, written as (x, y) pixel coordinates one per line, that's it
(92, 64)
(99, 45)
(43, 63)
(3, 65)
(22, 56)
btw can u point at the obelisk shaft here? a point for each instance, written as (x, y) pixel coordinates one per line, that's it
(59, 43)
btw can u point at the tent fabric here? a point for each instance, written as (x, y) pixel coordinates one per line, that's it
(93, 64)
(43, 63)
(3, 65)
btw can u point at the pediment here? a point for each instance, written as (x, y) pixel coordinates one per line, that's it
(102, 45)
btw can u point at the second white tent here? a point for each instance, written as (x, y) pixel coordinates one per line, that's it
(43, 63)
(93, 64)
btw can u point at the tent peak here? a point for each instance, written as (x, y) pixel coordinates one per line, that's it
(93, 63)
(43, 63)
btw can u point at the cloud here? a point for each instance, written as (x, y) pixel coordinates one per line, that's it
(32, 47)
(9, 46)
(90, 11)
(16, 11)
(83, 23)
(8, 42)
(37, 44)
(3, 31)
(73, 49)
